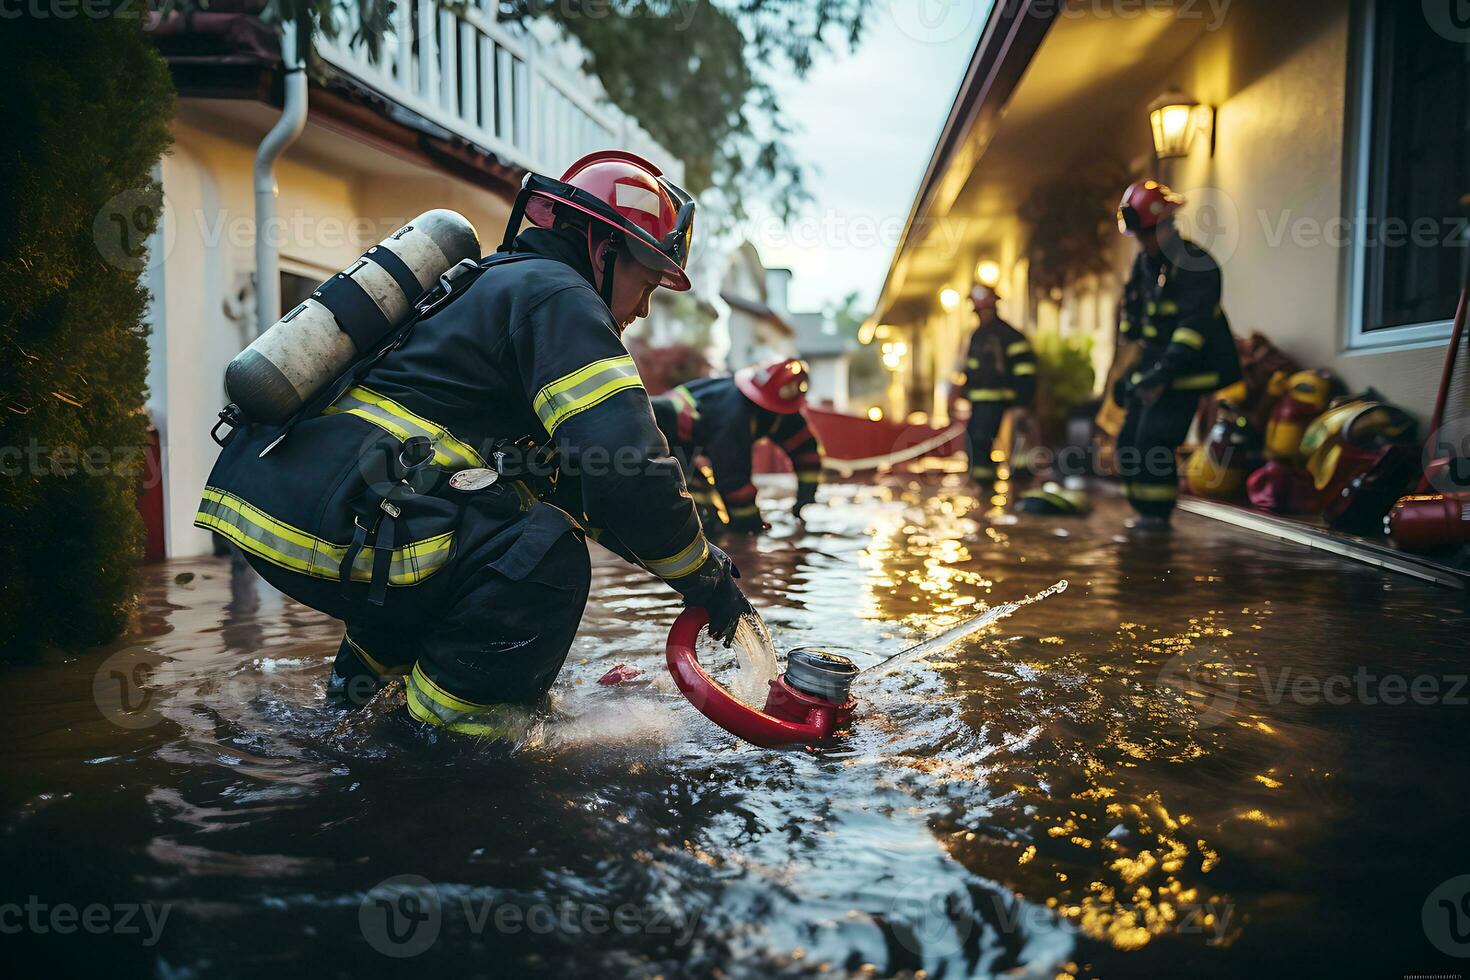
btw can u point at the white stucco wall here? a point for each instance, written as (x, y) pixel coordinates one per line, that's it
(202, 279)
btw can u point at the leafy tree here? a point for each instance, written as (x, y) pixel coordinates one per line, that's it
(89, 100)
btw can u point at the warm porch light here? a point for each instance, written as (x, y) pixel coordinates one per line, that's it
(949, 299)
(875, 414)
(1176, 119)
(988, 272)
(893, 354)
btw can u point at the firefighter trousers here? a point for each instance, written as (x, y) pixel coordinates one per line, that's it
(1147, 450)
(980, 432)
(491, 628)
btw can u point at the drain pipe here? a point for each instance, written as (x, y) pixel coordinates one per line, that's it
(282, 135)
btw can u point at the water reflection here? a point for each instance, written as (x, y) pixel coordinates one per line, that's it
(1105, 782)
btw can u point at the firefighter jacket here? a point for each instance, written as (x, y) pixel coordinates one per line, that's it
(524, 373)
(711, 416)
(1171, 304)
(1000, 365)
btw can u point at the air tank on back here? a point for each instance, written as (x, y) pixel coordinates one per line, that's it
(346, 317)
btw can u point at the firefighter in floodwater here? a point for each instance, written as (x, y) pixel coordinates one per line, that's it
(1171, 305)
(439, 506)
(721, 419)
(999, 369)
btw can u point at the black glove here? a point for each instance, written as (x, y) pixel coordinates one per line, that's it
(1122, 388)
(717, 594)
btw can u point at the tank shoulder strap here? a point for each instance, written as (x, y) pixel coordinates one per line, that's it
(450, 287)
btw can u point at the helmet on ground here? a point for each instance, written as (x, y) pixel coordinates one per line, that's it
(1054, 499)
(1217, 469)
(779, 386)
(983, 296)
(1145, 204)
(649, 216)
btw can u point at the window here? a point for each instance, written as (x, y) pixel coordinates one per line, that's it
(295, 289)
(1413, 237)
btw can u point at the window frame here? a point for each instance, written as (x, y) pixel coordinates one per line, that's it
(1367, 97)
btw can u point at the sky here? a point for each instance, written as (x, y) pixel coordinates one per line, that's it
(866, 125)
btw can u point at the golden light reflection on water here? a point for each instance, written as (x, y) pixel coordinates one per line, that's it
(1088, 833)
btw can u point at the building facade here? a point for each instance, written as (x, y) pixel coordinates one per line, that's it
(1325, 160)
(454, 112)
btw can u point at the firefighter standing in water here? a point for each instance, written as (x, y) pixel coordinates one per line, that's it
(439, 505)
(1171, 305)
(999, 372)
(721, 419)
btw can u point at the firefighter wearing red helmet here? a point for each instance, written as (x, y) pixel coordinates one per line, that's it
(439, 503)
(722, 418)
(997, 372)
(1171, 306)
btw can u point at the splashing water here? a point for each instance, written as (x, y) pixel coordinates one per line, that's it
(955, 633)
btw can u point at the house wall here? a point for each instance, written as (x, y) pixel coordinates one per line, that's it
(1283, 89)
(1283, 80)
(203, 311)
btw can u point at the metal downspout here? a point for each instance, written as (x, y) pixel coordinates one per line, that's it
(282, 135)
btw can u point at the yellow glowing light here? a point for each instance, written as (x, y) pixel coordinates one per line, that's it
(875, 414)
(949, 298)
(987, 272)
(1176, 119)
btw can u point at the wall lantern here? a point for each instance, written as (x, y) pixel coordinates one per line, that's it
(988, 273)
(949, 299)
(1177, 119)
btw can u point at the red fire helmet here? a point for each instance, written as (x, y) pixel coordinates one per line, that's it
(654, 217)
(1146, 203)
(779, 386)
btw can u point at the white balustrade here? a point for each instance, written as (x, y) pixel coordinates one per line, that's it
(491, 84)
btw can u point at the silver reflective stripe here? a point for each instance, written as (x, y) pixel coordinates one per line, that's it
(584, 388)
(280, 544)
(684, 563)
(387, 414)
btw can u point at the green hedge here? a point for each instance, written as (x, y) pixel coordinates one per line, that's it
(86, 104)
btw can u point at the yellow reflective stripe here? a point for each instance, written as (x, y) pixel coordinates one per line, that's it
(809, 476)
(749, 510)
(1168, 308)
(1195, 382)
(393, 418)
(1149, 330)
(1192, 338)
(991, 394)
(1125, 325)
(982, 471)
(1029, 367)
(279, 543)
(431, 704)
(683, 563)
(972, 362)
(1019, 347)
(682, 393)
(1152, 491)
(585, 388)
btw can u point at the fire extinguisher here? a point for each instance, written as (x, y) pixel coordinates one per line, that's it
(1429, 522)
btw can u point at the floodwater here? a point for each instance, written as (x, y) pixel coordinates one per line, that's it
(1195, 761)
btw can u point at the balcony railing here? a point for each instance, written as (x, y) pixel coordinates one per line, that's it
(491, 83)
